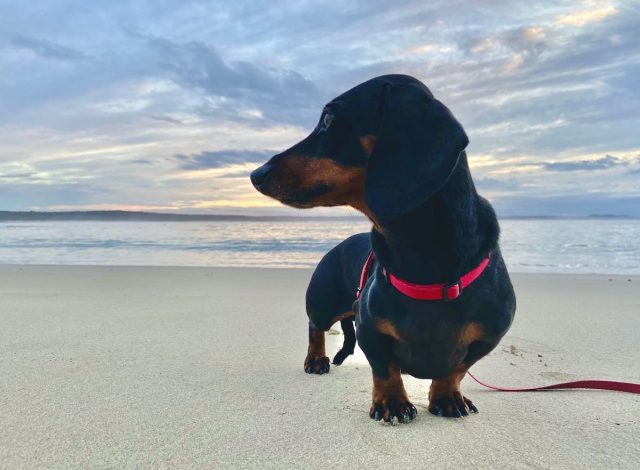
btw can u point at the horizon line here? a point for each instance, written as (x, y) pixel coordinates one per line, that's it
(7, 215)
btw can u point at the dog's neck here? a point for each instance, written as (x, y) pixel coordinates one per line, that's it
(444, 238)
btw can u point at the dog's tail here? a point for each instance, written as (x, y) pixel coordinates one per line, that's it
(349, 341)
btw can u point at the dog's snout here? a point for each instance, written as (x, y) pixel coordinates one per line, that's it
(260, 174)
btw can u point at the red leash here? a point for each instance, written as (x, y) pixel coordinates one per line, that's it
(590, 384)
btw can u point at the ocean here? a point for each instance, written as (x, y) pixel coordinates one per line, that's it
(607, 246)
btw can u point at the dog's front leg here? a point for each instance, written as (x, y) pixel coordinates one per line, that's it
(389, 398)
(446, 398)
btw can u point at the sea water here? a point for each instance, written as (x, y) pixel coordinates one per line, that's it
(610, 246)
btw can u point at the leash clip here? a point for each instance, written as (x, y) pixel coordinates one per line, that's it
(451, 291)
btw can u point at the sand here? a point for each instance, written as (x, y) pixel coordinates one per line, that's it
(117, 367)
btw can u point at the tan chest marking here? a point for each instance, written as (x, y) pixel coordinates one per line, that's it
(471, 332)
(387, 328)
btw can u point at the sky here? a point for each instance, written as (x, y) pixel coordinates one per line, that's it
(167, 105)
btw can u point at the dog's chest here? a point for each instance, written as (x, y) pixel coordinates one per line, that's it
(428, 345)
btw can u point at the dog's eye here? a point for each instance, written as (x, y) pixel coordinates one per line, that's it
(326, 120)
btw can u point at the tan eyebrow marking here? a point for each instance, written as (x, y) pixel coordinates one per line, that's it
(368, 142)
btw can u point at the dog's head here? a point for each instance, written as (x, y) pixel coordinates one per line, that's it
(383, 147)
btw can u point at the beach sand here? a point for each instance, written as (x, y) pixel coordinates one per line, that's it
(201, 367)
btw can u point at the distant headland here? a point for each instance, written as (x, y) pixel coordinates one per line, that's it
(137, 216)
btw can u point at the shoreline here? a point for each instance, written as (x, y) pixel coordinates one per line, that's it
(112, 366)
(632, 276)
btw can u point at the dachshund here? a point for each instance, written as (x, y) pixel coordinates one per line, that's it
(436, 295)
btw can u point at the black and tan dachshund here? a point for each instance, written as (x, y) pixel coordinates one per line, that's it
(391, 150)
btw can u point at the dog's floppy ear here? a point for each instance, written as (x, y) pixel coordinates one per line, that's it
(417, 146)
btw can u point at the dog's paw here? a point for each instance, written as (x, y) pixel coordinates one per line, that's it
(454, 405)
(316, 365)
(341, 356)
(391, 408)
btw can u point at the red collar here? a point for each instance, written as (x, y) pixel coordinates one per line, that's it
(425, 291)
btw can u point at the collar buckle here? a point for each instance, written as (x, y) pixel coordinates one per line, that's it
(451, 291)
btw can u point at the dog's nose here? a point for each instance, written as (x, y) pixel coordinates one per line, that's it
(260, 174)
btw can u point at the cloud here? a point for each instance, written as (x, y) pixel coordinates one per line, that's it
(45, 48)
(524, 39)
(635, 171)
(582, 17)
(497, 184)
(569, 205)
(236, 174)
(16, 196)
(168, 119)
(221, 158)
(239, 88)
(19, 176)
(603, 163)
